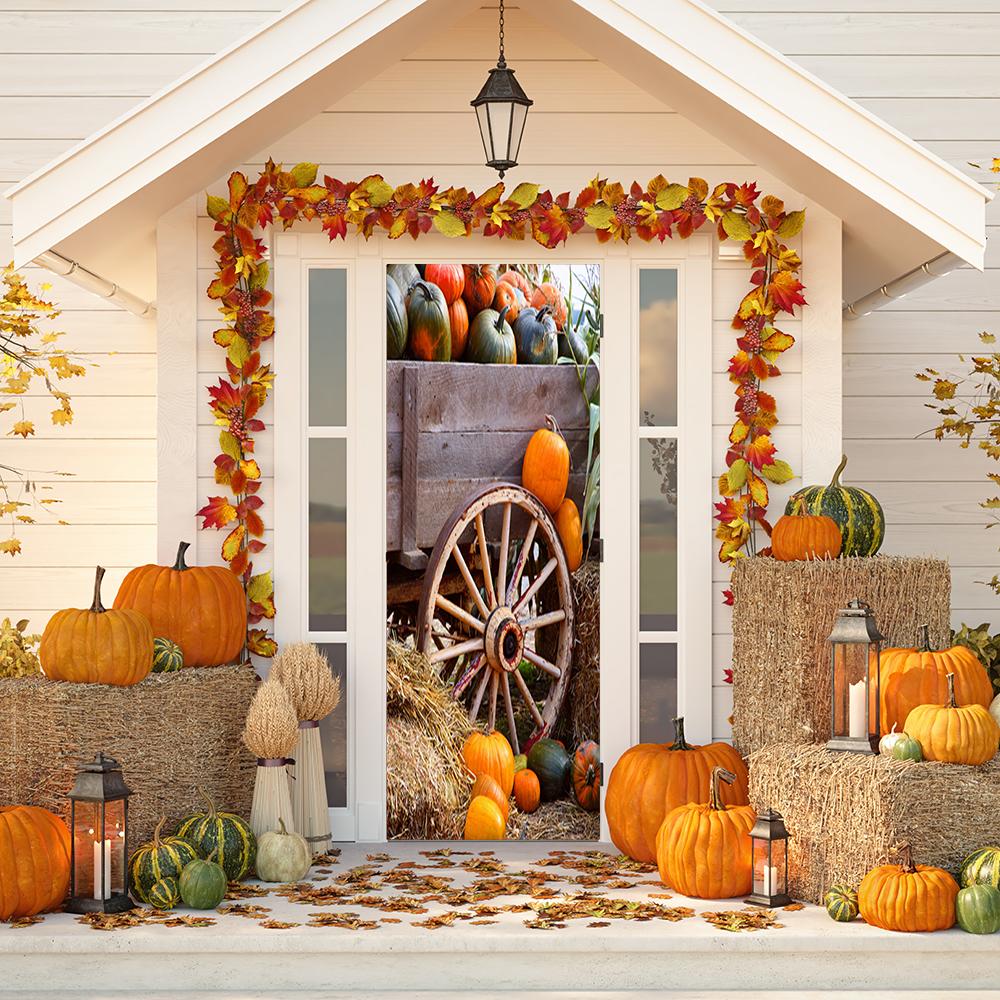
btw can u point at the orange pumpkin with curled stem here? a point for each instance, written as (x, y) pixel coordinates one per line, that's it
(545, 470)
(965, 734)
(805, 536)
(908, 897)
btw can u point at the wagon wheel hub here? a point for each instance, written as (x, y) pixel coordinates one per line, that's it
(504, 640)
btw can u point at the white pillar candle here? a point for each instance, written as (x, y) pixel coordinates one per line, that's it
(857, 713)
(770, 880)
(99, 868)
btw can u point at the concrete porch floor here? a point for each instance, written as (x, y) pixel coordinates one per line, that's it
(689, 957)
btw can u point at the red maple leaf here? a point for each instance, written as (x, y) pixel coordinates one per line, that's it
(785, 291)
(218, 512)
(760, 451)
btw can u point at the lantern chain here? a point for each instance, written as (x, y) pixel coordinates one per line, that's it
(501, 62)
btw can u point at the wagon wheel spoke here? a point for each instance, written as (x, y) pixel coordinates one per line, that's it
(509, 705)
(522, 559)
(536, 586)
(478, 700)
(504, 552)
(469, 582)
(528, 699)
(450, 652)
(460, 613)
(530, 624)
(539, 661)
(484, 557)
(494, 684)
(468, 676)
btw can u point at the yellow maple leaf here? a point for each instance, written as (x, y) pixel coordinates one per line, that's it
(11, 546)
(23, 428)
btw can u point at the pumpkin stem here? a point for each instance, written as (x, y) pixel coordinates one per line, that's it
(719, 773)
(951, 692)
(924, 638)
(835, 482)
(282, 829)
(501, 319)
(181, 549)
(156, 832)
(550, 422)
(679, 742)
(906, 859)
(97, 607)
(212, 811)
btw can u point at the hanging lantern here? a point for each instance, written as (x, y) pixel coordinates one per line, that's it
(98, 828)
(855, 680)
(769, 839)
(501, 109)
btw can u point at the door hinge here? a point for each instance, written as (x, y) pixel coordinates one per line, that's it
(597, 549)
(600, 326)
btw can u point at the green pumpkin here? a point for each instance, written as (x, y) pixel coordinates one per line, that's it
(165, 894)
(550, 762)
(977, 909)
(841, 903)
(159, 859)
(572, 345)
(222, 835)
(405, 276)
(491, 340)
(167, 656)
(536, 337)
(981, 867)
(428, 323)
(520, 762)
(857, 513)
(907, 748)
(396, 332)
(203, 885)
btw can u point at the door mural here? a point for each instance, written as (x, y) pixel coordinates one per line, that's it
(493, 550)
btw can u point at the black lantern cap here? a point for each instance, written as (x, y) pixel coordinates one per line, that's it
(856, 624)
(770, 825)
(100, 780)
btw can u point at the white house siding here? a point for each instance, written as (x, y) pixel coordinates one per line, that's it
(932, 69)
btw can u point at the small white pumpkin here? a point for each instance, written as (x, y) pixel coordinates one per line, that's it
(995, 709)
(282, 856)
(888, 741)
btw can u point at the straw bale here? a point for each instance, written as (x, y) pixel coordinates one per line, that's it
(172, 732)
(584, 701)
(562, 819)
(306, 675)
(782, 616)
(848, 812)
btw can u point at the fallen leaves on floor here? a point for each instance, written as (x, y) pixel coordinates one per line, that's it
(17, 922)
(189, 920)
(243, 890)
(278, 925)
(591, 905)
(348, 921)
(244, 910)
(750, 918)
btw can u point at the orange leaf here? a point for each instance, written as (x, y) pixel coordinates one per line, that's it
(233, 542)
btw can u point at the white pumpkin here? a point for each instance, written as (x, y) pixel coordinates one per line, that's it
(888, 741)
(995, 709)
(282, 856)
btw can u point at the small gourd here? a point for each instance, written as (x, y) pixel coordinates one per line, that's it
(841, 903)
(167, 656)
(888, 741)
(907, 748)
(202, 884)
(165, 894)
(282, 856)
(977, 908)
(527, 791)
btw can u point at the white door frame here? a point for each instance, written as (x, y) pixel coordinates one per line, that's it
(367, 260)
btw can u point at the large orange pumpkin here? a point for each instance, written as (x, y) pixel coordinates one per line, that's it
(545, 470)
(547, 294)
(908, 897)
(201, 608)
(34, 861)
(484, 820)
(805, 536)
(703, 849)
(570, 533)
(490, 754)
(96, 646)
(480, 287)
(912, 677)
(957, 735)
(651, 779)
(450, 278)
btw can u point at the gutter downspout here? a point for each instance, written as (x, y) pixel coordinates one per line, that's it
(85, 278)
(937, 267)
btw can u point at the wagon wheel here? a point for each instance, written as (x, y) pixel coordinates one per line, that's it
(483, 647)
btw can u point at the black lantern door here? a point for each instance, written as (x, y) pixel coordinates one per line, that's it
(855, 681)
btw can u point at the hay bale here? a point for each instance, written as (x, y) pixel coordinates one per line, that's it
(848, 812)
(427, 784)
(585, 686)
(782, 616)
(562, 819)
(170, 732)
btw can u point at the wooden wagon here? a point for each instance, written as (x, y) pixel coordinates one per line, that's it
(476, 569)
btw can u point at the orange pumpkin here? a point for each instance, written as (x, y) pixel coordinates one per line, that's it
(450, 278)
(484, 821)
(958, 735)
(458, 318)
(570, 533)
(480, 286)
(805, 536)
(547, 294)
(527, 790)
(201, 608)
(486, 785)
(545, 470)
(651, 779)
(490, 754)
(518, 280)
(703, 849)
(96, 646)
(506, 295)
(34, 861)
(908, 897)
(912, 677)
(586, 775)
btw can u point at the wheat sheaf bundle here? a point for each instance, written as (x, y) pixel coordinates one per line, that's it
(305, 674)
(272, 726)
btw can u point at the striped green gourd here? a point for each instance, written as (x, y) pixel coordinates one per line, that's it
(857, 513)
(981, 867)
(223, 836)
(977, 909)
(160, 858)
(165, 894)
(167, 656)
(841, 903)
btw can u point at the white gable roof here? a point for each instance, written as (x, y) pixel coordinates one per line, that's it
(900, 204)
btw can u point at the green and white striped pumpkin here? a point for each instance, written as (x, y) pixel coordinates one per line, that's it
(159, 859)
(977, 908)
(841, 903)
(165, 894)
(981, 867)
(167, 656)
(222, 836)
(857, 513)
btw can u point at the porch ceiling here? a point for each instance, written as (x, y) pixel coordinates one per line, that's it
(99, 202)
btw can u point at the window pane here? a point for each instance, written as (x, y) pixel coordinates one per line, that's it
(327, 347)
(327, 535)
(657, 535)
(658, 347)
(333, 731)
(657, 691)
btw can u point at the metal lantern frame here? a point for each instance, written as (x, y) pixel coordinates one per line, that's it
(99, 782)
(855, 626)
(771, 889)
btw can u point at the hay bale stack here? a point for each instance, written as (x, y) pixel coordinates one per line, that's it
(782, 616)
(848, 812)
(562, 819)
(170, 732)
(584, 701)
(427, 784)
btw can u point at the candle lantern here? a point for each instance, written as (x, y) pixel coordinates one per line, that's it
(769, 840)
(99, 829)
(855, 680)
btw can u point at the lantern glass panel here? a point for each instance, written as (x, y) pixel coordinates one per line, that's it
(520, 116)
(779, 867)
(114, 834)
(850, 696)
(762, 867)
(500, 120)
(483, 117)
(86, 827)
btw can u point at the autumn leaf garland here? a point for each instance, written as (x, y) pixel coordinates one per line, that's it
(656, 211)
